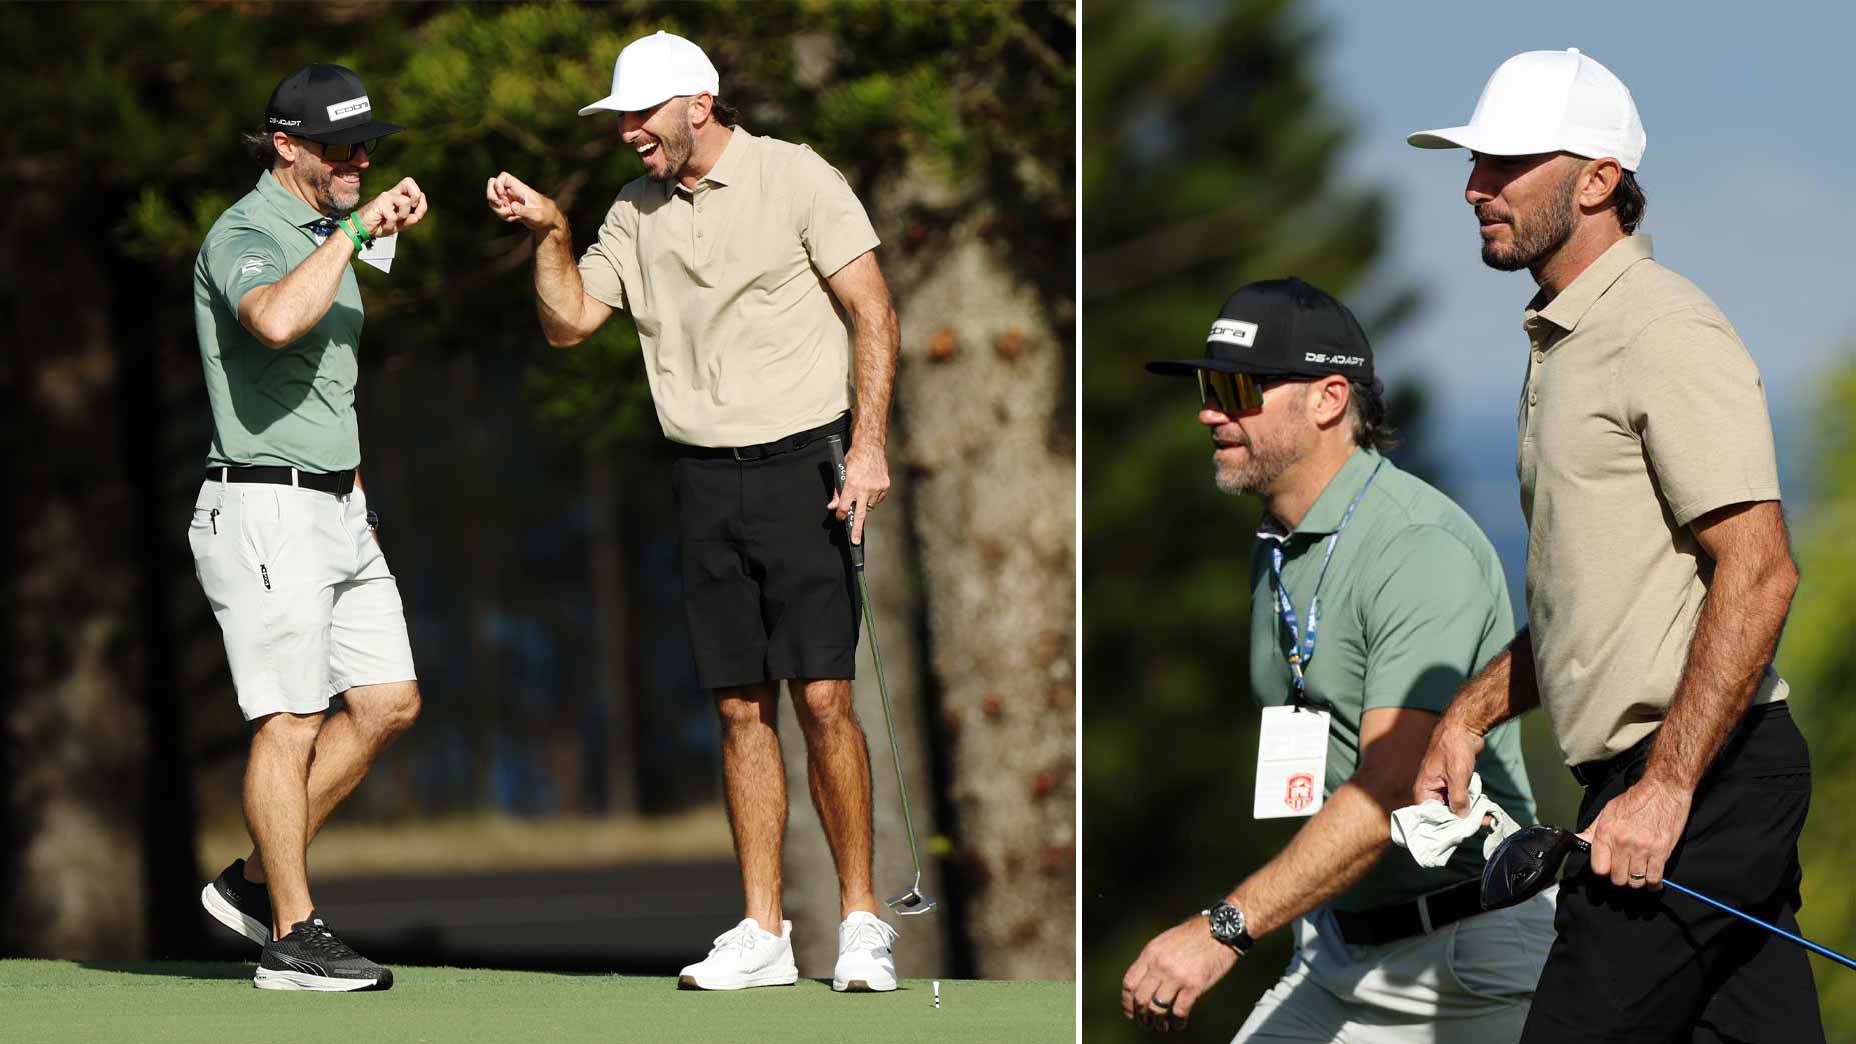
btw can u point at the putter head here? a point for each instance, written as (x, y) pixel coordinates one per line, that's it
(912, 902)
(1524, 864)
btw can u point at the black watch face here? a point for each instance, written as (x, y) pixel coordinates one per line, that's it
(1227, 923)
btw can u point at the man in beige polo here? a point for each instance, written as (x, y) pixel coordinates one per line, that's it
(734, 255)
(1659, 575)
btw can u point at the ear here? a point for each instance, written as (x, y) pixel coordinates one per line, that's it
(701, 108)
(1598, 181)
(1327, 399)
(285, 145)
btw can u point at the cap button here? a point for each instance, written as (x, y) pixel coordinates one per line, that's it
(1572, 50)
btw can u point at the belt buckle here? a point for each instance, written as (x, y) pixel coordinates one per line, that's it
(735, 451)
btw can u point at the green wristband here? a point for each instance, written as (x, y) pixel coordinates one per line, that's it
(352, 225)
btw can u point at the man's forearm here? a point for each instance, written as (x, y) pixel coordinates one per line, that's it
(1504, 689)
(1735, 639)
(284, 311)
(1331, 852)
(559, 294)
(874, 355)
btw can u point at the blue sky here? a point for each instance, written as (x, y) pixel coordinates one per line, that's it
(1750, 172)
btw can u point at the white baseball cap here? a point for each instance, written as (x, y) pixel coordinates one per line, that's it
(1549, 101)
(656, 68)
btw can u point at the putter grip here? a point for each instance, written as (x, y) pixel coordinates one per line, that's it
(836, 443)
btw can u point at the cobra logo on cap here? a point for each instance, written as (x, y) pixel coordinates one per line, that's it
(351, 107)
(1233, 331)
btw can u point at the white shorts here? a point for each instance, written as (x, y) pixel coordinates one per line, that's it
(302, 594)
(1470, 982)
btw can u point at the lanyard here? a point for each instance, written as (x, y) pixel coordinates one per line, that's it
(1302, 647)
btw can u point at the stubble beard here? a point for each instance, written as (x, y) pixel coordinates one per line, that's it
(1264, 463)
(677, 146)
(337, 202)
(1535, 239)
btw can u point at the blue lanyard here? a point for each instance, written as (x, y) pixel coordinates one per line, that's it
(1302, 647)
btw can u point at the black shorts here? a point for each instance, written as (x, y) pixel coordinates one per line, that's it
(1649, 967)
(767, 579)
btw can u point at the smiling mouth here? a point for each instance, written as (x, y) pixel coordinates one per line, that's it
(646, 150)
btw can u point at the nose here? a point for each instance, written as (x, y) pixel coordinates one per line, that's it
(360, 157)
(1480, 187)
(630, 123)
(1211, 415)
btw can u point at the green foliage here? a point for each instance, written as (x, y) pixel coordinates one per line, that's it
(1208, 155)
(1818, 660)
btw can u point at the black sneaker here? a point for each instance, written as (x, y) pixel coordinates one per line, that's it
(312, 957)
(241, 905)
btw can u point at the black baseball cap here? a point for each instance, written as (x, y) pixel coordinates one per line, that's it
(1281, 327)
(325, 103)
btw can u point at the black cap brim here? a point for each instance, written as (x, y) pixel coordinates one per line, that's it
(360, 132)
(1188, 367)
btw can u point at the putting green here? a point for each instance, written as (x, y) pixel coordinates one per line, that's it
(55, 1001)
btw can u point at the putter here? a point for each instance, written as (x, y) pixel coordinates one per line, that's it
(1530, 859)
(912, 901)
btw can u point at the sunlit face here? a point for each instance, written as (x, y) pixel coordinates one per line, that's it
(1524, 205)
(662, 136)
(335, 186)
(1251, 451)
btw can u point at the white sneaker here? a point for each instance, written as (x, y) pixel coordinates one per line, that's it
(744, 956)
(865, 962)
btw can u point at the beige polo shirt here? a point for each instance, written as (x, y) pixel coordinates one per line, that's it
(1642, 411)
(743, 341)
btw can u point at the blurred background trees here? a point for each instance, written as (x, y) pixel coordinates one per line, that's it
(523, 491)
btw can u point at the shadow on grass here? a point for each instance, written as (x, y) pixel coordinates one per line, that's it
(209, 970)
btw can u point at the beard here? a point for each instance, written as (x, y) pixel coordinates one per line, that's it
(337, 201)
(1263, 464)
(676, 146)
(1535, 236)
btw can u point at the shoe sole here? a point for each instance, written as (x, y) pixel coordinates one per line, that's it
(230, 916)
(273, 979)
(781, 978)
(861, 986)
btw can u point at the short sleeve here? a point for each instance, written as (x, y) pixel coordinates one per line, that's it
(1430, 617)
(831, 221)
(600, 266)
(241, 259)
(1690, 391)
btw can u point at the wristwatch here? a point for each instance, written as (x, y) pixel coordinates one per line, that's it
(1228, 926)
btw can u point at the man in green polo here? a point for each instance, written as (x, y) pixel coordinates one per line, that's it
(282, 539)
(1373, 597)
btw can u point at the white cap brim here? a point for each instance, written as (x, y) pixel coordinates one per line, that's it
(634, 103)
(1479, 139)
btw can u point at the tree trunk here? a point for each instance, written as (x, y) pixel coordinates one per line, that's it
(75, 727)
(984, 398)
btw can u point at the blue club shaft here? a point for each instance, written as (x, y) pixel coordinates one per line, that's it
(1822, 951)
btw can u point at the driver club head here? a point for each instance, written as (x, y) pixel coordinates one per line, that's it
(912, 902)
(1524, 864)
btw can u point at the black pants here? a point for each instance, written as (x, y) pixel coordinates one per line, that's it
(767, 579)
(1648, 967)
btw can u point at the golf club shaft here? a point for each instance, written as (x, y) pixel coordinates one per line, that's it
(876, 653)
(895, 752)
(1822, 951)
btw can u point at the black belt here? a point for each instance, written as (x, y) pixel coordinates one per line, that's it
(335, 483)
(1590, 773)
(760, 451)
(1396, 921)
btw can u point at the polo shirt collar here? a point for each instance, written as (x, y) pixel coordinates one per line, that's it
(1330, 507)
(287, 203)
(727, 166)
(1570, 306)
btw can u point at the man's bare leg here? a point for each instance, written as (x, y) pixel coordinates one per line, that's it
(754, 781)
(277, 810)
(838, 774)
(345, 749)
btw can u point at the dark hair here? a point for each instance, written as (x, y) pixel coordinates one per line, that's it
(725, 114)
(261, 146)
(1628, 198)
(1366, 405)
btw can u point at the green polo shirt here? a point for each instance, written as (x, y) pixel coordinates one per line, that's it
(294, 405)
(1412, 605)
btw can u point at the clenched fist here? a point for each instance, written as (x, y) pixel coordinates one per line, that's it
(512, 200)
(395, 210)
